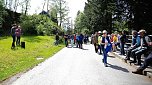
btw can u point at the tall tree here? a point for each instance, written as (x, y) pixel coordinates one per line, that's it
(62, 10)
(99, 13)
(1, 12)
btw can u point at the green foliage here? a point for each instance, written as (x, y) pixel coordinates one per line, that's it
(19, 60)
(38, 25)
(2, 12)
(97, 16)
(120, 26)
(53, 14)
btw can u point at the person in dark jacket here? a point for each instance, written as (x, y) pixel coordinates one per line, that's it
(66, 40)
(57, 39)
(122, 42)
(13, 29)
(81, 37)
(106, 46)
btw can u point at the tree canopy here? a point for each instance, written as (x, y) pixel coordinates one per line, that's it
(115, 15)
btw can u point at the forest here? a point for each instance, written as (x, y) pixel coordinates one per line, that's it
(115, 15)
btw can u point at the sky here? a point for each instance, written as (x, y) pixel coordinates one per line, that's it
(74, 6)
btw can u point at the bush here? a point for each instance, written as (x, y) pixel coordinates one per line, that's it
(38, 25)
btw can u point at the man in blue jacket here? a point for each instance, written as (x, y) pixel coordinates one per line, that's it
(135, 44)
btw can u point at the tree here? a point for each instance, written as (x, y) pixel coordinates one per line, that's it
(53, 13)
(62, 10)
(81, 22)
(1, 12)
(99, 14)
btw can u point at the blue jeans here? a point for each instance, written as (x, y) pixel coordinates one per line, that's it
(56, 42)
(14, 39)
(104, 56)
(147, 61)
(122, 48)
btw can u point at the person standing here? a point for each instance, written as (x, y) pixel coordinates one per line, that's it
(18, 35)
(72, 40)
(107, 46)
(95, 41)
(66, 40)
(122, 42)
(13, 29)
(77, 40)
(99, 41)
(75, 37)
(81, 37)
(57, 39)
(114, 42)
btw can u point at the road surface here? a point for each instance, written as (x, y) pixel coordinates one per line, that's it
(73, 66)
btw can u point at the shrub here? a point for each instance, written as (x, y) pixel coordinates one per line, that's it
(39, 25)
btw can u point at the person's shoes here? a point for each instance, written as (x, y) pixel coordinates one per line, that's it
(138, 71)
(12, 47)
(132, 62)
(105, 65)
(100, 53)
(103, 60)
(125, 60)
(139, 64)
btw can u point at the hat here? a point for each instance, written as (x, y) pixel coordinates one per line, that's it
(142, 31)
(104, 32)
(99, 32)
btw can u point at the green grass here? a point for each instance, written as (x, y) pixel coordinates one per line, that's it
(19, 60)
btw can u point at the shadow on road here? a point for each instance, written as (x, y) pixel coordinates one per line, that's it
(85, 49)
(118, 68)
(111, 56)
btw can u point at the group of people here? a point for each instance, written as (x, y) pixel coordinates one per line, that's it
(117, 40)
(16, 33)
(141, 44)
(104, 43)
(76, 39)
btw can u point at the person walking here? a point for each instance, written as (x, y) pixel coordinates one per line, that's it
(107, 46)
(13, 29)
(18, 35)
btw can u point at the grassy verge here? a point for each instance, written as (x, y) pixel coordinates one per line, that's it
(18, 60)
